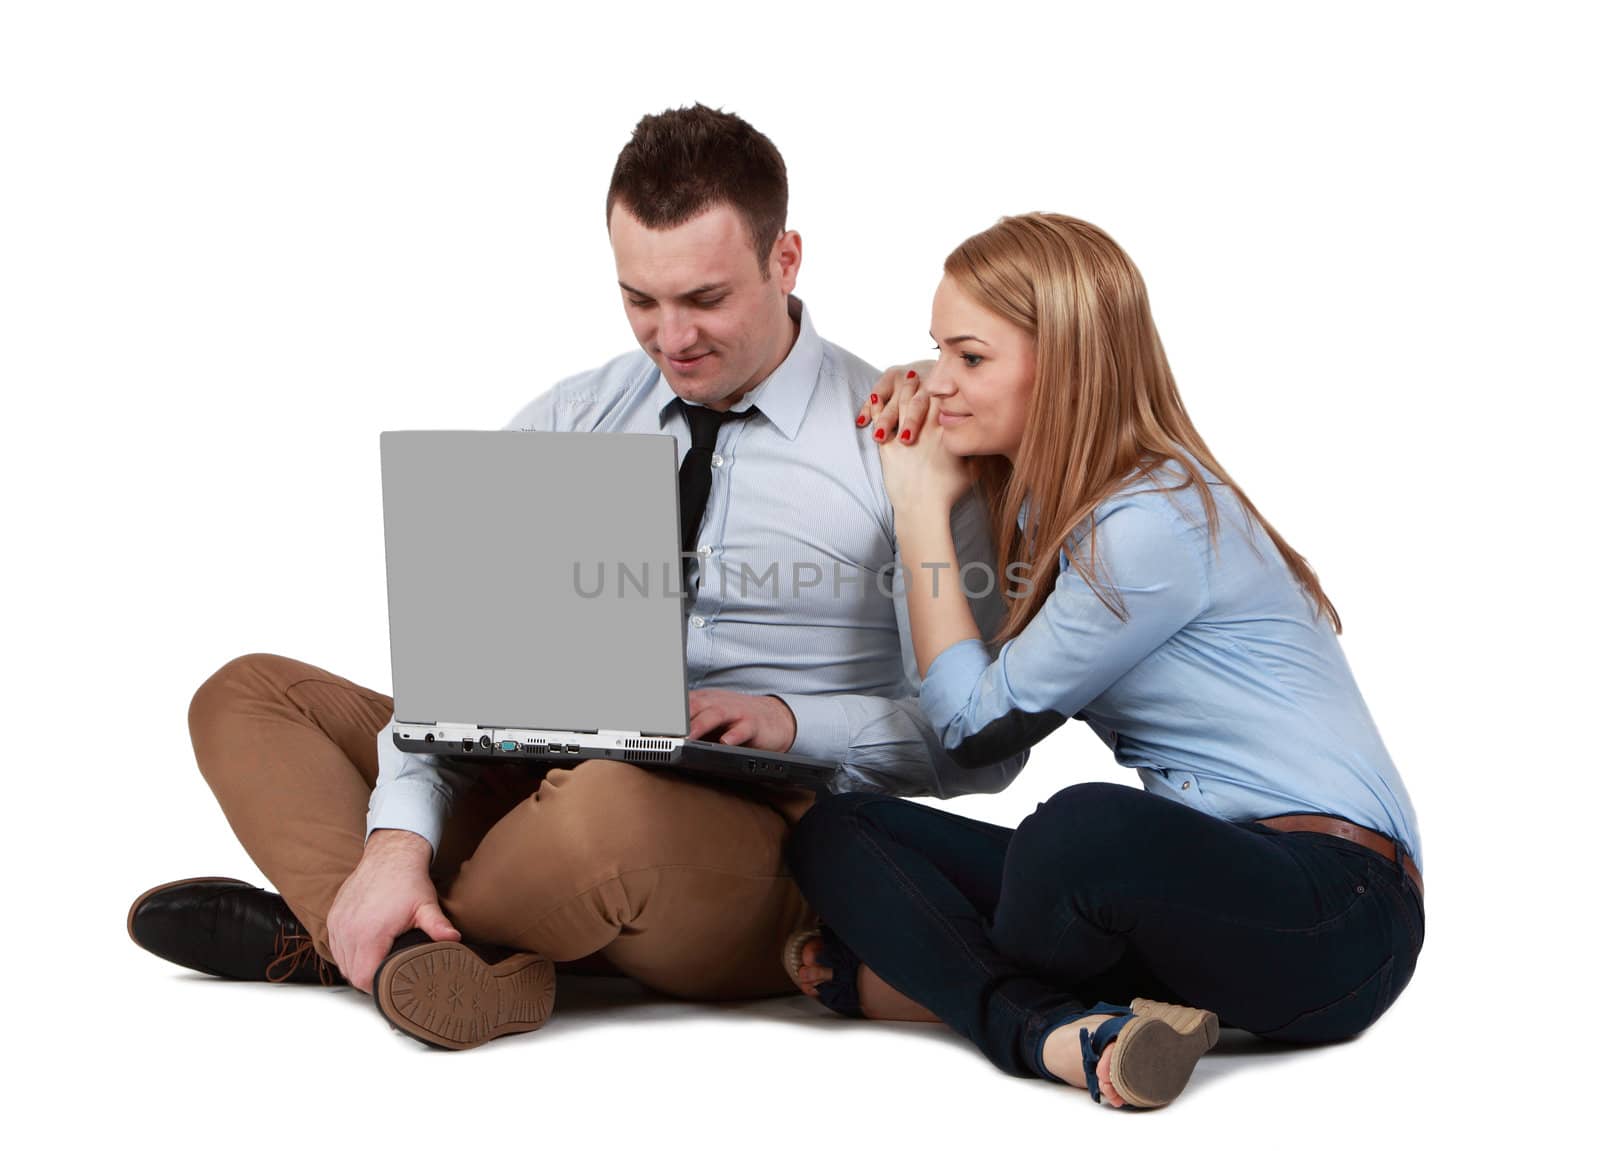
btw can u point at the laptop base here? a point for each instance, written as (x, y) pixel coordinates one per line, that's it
(692, 756)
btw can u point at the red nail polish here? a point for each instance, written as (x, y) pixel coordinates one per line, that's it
(874, 398)
(861, 421)
(910, 375)
(878, 435)
(906, 435)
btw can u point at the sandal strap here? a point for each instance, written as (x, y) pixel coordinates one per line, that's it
(1093, 1046)
(840, 993)
(1090, 1045)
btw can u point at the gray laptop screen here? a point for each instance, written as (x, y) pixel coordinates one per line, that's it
(533, 579)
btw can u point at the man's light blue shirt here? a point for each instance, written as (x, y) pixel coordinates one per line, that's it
(1224, 689)
(792, 592)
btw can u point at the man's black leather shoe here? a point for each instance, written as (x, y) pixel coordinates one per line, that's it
(228, 928)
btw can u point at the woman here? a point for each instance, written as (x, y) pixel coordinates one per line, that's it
(1265, 874)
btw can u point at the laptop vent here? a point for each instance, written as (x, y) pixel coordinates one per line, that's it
(649, 750)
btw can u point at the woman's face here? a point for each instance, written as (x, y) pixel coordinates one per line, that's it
(984, 376)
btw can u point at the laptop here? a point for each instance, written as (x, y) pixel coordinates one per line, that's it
(536, 606)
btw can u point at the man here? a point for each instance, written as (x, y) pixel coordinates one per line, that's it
(681, 885)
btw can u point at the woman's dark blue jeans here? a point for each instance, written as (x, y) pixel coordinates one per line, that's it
(1106, 893)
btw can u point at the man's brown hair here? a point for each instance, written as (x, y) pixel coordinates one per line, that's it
(687, 160)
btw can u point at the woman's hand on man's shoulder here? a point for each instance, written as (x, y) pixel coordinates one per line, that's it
(898, 407)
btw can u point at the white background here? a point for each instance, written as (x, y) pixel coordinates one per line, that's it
(237, 241)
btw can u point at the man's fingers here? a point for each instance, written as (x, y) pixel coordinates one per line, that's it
(431, 918)
(364, 965)
(699, 703)
(739, 733)
(336, 945)
(703, 697)
(709, 719)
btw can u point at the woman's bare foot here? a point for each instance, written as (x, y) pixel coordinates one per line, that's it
(1063, 1057)
(878, 999)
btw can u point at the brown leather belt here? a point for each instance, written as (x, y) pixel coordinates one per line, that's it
(1356, 834)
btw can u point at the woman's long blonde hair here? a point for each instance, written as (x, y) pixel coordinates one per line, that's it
(1104, 410)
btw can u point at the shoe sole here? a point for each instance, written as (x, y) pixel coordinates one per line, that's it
(138, 903)
(444, 995)
(1156, 1052)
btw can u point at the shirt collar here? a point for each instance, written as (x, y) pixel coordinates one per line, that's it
(784, 396)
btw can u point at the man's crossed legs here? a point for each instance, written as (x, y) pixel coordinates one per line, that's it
(680, 885)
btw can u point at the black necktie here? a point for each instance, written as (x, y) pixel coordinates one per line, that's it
(694, 473)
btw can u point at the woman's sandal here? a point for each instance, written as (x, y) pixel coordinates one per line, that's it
(839, 993)
(1157, 1046)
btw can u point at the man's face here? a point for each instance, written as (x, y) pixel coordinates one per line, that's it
(699, 305)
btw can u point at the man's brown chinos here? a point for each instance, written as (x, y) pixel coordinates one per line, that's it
(681, 885)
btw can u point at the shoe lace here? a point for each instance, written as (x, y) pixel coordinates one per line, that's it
(292, 948)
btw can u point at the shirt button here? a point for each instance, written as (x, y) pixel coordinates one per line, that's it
(716, 459)
(1186, 784)
(697, 621)
(704, 549)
